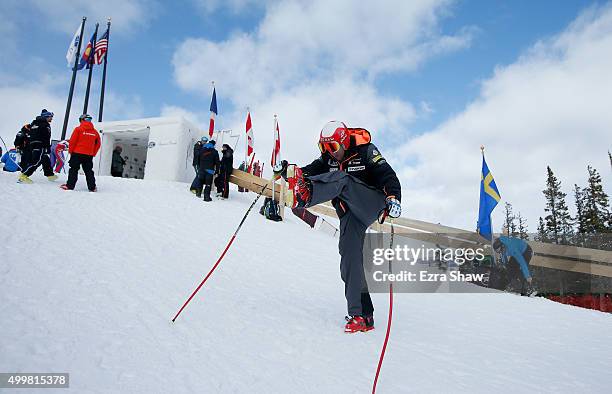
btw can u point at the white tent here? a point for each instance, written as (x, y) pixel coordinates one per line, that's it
(154, 148)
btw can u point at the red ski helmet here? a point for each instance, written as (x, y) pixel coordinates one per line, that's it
(333, 135)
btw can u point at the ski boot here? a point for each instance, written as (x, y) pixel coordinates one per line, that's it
(23, 178)
(65, 187)
(369, 321)
(52, 178)
(356, 324)
(298, 184)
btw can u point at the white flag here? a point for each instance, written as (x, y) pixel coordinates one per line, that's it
(72, 49)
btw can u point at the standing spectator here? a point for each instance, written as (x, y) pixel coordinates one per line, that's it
(197, 148)
(208, 164)
(83, 146)
(36, 148)
(117, 162)
(10, 160)
(225, 170)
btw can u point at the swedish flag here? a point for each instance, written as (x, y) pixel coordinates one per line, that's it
(489, 197)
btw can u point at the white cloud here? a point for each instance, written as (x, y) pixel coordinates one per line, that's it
(313, 61)
(551, 107)
(300, 41)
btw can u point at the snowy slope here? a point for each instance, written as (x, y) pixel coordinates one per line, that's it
(89, 283)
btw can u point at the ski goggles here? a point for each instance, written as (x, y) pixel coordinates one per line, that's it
(330, 147)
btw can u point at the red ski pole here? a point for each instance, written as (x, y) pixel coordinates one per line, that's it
(222, 255)
(388, 333)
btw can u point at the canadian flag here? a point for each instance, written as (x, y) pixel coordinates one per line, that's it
(277, 145)
(250, 137)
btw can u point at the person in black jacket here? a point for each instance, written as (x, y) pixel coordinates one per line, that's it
(37, 147)
(208, 165)
(362, 186)
(197, 147)
(225, 170)
(117, 162)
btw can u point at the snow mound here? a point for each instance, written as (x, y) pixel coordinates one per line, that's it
(90, 281)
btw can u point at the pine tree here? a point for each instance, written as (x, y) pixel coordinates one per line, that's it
(581, 226)
(509, 226)
(522, 227)
(542, 235)
(596, 205)
(558, 221)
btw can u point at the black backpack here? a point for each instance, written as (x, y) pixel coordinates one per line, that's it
(22, 137)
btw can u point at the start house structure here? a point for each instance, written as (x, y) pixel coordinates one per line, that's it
(153, 148)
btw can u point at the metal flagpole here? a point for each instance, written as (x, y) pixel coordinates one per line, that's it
(274, 157)
(90, 64)
(74, 71)
(104, 71)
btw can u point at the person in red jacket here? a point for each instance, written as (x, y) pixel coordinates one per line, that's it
(83, 146)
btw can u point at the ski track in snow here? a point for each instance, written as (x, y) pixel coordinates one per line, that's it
(90, 281)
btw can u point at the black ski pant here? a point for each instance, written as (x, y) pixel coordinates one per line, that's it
(32, 157)
(202, 180)
(78, 160)
(362, 205)
(223, 185)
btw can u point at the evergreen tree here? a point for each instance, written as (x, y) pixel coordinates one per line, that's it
(580, 219)
(522, 227)
(558, 221)
(542, 235)
(509, 226)
(581, 226)
(596, 205)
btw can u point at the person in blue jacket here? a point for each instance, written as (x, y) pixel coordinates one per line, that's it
(515, 251)
(10, 160)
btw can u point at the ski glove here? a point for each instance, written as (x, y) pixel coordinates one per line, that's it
(394, 208)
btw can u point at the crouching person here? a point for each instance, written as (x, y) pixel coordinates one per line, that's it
(83, 147)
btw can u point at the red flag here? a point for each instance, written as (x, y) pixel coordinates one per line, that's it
(277, 145)
(250, 137)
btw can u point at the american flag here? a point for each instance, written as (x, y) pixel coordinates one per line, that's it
(101, 48)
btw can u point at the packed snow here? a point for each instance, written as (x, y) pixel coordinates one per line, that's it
(90, 281)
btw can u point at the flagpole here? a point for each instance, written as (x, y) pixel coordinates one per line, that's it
(90, 64)
(274, 156)
(482, 148)
(74, 71)
(104, 71)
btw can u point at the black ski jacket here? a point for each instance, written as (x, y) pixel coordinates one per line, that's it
(227, 161)
(209, 159)
(364, 162)
(39, 134)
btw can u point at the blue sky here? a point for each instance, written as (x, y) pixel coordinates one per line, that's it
(503, 30)
(431, 79)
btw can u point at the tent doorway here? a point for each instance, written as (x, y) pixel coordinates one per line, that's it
(135, 145)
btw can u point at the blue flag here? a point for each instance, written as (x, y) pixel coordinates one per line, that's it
(87, 53)
(489, 197)
(213, 102)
